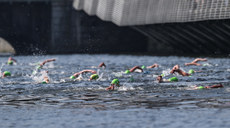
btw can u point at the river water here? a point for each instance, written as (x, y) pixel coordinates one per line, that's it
(139, 102)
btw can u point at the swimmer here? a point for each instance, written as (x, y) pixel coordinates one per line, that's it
(208, 87)
(114, 83)
(44, 62)
(45, 80)
(177, 69)
(11, 61)
(153, 66)
(161, 80)
(194, 62)
(92, 77)
(133, 69)
(6, 74)
(102, 65)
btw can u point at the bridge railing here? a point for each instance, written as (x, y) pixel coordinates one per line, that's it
(140, 12)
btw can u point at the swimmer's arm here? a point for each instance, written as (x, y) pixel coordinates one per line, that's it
(49, 60)
(184, 73)
(174, 69)
(196, 64)
(76, 74)
(134, 68)
(85, 71)
(153, 66)
(102, 65)
(110, 87)
(199, 59)
(215, 86)
(12, 59)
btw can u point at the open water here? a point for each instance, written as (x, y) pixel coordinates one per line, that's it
(139, 102)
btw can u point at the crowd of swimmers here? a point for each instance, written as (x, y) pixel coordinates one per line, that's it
(115, 82)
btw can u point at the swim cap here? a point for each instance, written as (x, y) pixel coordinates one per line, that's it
(6, 73)
(72, 77)
(162, 74)
(44, 82)
(10, 62)
(191, 71)
(143, 67)
(115, 81)
(39, 67)
(173, 79)
(200, 87)
(94, 76)
(127, 71)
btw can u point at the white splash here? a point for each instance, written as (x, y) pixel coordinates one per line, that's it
(126, 88)
(166, 72)
(40, 76)
(118, 74)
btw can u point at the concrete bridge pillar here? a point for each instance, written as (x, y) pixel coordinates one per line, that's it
(64, 35)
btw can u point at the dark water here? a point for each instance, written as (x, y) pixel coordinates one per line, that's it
(24, 102)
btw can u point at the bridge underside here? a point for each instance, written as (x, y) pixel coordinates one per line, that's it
(206, 37)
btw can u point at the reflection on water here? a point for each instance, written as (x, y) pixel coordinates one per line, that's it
(140, 102)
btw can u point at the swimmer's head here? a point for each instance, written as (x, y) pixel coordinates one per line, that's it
(116, 82)
(143, 67)
(173, 79)
(127, 71)
(191, 71)
(159, 79)
(72, 77)
(94, 77)
(6, 73)
(10, 62)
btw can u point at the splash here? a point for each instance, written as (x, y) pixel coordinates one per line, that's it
(118, 74)
(1, 69)
(40, 76)
(126, 88)
(166, 72)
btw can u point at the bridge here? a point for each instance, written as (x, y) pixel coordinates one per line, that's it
(153, 26)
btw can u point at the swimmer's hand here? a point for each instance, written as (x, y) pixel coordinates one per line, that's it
(110, 88)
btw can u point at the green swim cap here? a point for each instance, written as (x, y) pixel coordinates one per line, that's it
(72, 77)
(173, 79)
(39, 67)
(200, 87)
(7, 73)
(162, 74)
(127, 71)
(191, 71)
(44, 82)
(10, 62)
(143, 67)
(115, 81)
(94, 76)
